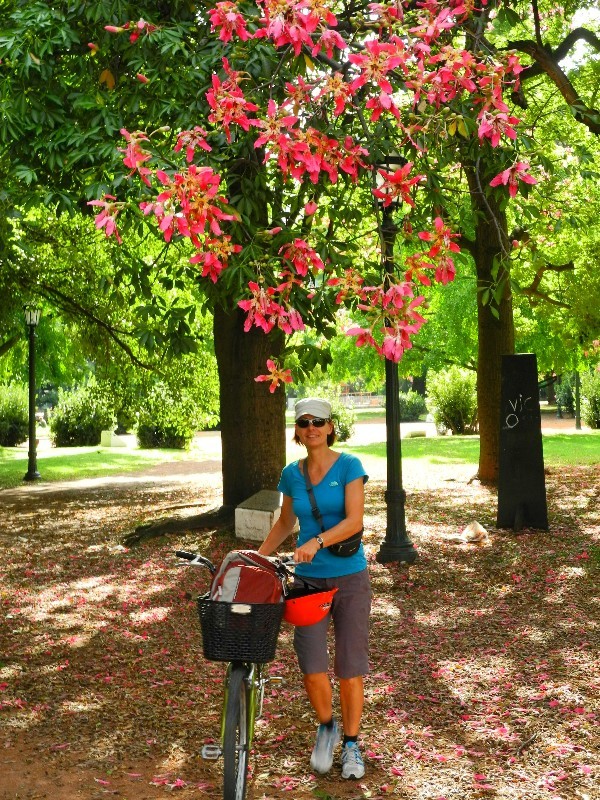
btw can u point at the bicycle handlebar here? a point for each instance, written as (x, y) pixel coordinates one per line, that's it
(185, 554)
(196, 560)
(282, 565)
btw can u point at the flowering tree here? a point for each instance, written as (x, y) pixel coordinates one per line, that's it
(270, 139)
(338, 119)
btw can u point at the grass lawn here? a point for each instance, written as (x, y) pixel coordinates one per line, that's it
(583, 448)
(74, 463)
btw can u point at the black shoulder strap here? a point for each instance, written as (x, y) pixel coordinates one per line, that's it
(311, 496)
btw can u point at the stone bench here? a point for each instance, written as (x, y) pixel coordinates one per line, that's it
(415, 434)
(255, 517)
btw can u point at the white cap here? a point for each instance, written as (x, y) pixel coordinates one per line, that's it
(314, 406)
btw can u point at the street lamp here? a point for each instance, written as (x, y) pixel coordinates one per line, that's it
(397, 545)
(32, 317)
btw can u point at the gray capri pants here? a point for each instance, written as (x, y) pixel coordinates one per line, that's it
(350, 612)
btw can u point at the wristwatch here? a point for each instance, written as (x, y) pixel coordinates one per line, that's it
(320, 541)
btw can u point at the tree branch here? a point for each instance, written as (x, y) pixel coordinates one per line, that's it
(547, 62)
(536, 22)
(9, 344)
(533, 289)
(84, 312)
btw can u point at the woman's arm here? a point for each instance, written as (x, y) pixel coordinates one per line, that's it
(354, 501)
(281, 529)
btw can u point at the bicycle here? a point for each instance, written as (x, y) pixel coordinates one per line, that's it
(246, 643)
(245, 636)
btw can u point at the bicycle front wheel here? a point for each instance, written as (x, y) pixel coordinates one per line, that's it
(235, 739)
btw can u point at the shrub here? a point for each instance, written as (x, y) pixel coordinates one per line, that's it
(14, 415)
(590, 399)
(452, 400)
(80, 416)
(564, 395)
(168, 419)
(344, 419)
(412, 406)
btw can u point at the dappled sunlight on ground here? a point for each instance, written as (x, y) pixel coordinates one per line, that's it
(484, 657)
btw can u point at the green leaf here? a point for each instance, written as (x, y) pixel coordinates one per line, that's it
(508, 18)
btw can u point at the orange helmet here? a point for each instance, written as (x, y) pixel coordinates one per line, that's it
(307, 606)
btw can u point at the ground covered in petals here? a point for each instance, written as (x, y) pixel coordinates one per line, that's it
(485, 675)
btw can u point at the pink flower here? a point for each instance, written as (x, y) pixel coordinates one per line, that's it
(275, 375)
(135, 155)
(214, 256)
(227, 101)
(107, 217)
(492, 126)
(191, 140)
(376, 61)
(328, 41)
(441, 239)
(336, 86)
(226, 17)
(302, 256)
(363, 337)
(139, 27)
(276, 133)
(263, 311)
(397, 184)
(189, 204)
(510, 177)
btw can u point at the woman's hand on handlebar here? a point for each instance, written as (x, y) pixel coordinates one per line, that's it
(306, 553)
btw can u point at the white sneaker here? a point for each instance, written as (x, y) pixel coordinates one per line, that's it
(321, 759)
(352, 763)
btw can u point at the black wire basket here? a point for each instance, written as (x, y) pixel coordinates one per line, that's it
(239, 631)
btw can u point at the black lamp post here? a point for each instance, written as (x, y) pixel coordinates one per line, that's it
(32, 317)
(396, 546)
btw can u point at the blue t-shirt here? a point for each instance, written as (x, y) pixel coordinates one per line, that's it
(330, 497)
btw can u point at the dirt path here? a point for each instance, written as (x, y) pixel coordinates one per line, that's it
(484, 658)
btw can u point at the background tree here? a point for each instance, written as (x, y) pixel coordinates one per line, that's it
(391, 87)
(304, 153)
(129, 330)
(479, 204)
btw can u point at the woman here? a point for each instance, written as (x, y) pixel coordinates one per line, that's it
(338, 485)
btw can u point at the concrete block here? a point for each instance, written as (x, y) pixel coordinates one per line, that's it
(415, 434)
(110, 439)
(255, 517)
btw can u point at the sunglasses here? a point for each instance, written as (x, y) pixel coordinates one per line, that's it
(317, 422)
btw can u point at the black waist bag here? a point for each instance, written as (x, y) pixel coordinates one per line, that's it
(348, 547)
(342, 549)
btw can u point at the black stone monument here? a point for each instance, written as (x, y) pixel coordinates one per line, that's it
(521, 483)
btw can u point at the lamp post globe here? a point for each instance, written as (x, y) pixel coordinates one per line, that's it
(32, 318)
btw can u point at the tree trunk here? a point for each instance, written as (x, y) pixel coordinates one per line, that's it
(252, 419)
(418, 384)
(494, 322)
